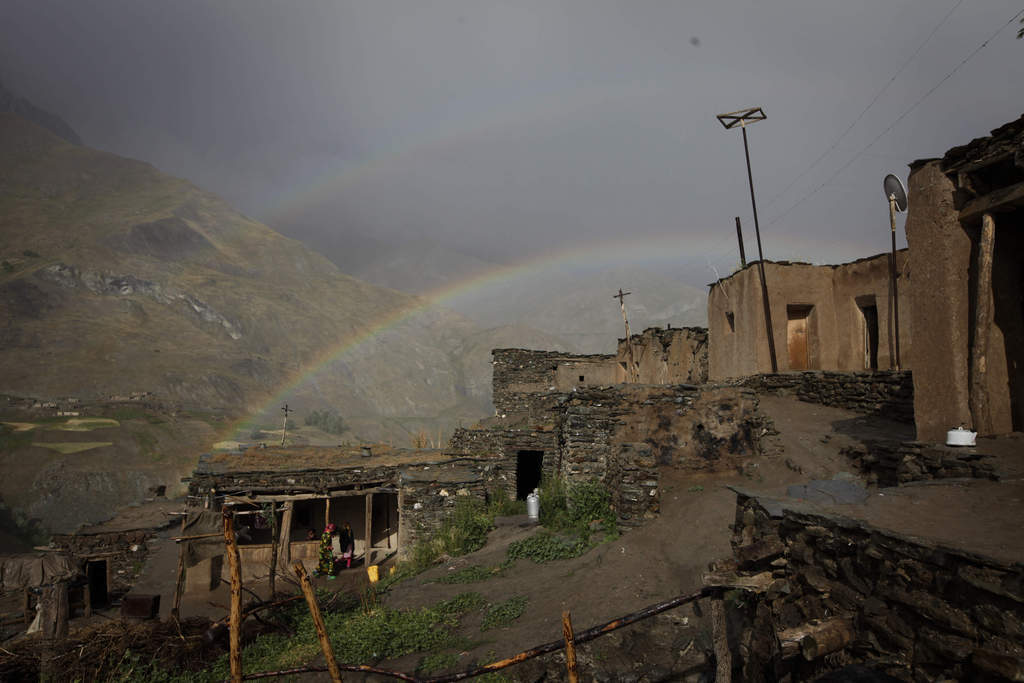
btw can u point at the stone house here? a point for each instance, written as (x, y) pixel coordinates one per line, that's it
(390, 497)
(829, 317)
(973, 311)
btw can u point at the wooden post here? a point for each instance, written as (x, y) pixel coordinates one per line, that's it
(318, 622)
(720, 633)
(369, 530)
(179, 584)
(235, 634)
(275, 537)
(570, 648)
(633, 375)
(327, 511)
(978, 391)
(286, 535)
(895, 291)
(739, 236)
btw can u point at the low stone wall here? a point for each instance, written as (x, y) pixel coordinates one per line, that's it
(124, 551)
(919, 611)
(889, 394)
(891, 463)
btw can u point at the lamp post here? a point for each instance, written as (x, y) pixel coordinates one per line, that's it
(741, 118)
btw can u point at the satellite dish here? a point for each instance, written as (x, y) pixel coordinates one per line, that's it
(893, 187)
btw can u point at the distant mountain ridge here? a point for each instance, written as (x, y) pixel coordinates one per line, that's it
(13, 104)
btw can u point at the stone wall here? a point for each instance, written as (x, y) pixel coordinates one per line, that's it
(124, 551)
(429, 493)
(891, 463)
(674, 355)
(522, 378)
(919, 611)
(885, 393)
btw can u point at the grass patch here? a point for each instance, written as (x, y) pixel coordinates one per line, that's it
(504, 613)
(87, 424)
(138, 414)
(12, 439)
(69, 447)
(434, 663)
(546, 546)
(474, 573)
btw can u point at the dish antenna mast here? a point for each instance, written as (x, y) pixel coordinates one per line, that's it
(897, 196)
(741, 118)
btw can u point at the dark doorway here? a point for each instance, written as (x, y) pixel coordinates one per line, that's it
(528, 470)
(870, 313)
(96, 573)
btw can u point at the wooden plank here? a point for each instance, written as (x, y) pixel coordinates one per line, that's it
(993, 201)
(758, 583)
(368, 551)
(978, 386)
(720, 637)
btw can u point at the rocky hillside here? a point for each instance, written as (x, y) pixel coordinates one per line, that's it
(116, 279)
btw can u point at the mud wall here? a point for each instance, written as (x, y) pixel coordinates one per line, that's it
(921, 611)
(835, 333)
(890, 394)
(676, 355)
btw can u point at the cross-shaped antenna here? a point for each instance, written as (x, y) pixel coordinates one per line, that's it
(741, 117)
(284, 432)
(633, 375)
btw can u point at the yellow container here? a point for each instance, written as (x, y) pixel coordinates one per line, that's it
(371, 571)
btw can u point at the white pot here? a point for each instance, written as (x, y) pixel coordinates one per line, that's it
(961, 437)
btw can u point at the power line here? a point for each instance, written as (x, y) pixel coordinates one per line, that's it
(877, 96)
(897, 121)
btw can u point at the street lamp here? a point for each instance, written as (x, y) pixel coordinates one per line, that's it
(741, 118)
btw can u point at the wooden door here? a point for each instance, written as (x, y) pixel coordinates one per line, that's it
(796, 336)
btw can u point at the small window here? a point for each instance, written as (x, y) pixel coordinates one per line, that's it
(581, 378)
(731, 319)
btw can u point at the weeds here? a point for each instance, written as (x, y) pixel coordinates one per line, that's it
(503, 614)
(475, 573)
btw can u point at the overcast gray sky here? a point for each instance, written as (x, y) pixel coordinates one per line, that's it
(509, 128)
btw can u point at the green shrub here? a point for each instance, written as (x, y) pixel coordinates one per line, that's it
(553, 502)
(465, 530)
(504, 613)
(328, 421)
(6, 265)
(30, 254)
(500, 505)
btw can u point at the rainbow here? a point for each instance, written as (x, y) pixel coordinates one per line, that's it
(502, 279)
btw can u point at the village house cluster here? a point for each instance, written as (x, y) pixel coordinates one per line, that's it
(688, 398)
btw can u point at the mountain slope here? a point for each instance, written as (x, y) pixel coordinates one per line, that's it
(120, 278)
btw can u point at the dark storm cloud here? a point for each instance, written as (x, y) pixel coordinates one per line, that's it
(505, 128)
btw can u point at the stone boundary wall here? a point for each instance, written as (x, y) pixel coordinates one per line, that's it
(920, 611)
(891, 463)
(886, 393)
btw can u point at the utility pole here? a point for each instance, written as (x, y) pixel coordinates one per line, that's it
(739, 237)
(284, 431)
(633, 375)
(731, 120)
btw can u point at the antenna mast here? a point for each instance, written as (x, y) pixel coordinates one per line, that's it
(633, 374)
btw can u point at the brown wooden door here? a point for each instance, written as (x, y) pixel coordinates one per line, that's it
(796, 336)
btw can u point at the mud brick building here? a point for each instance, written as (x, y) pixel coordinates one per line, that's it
(830, 317)
(968, 284)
